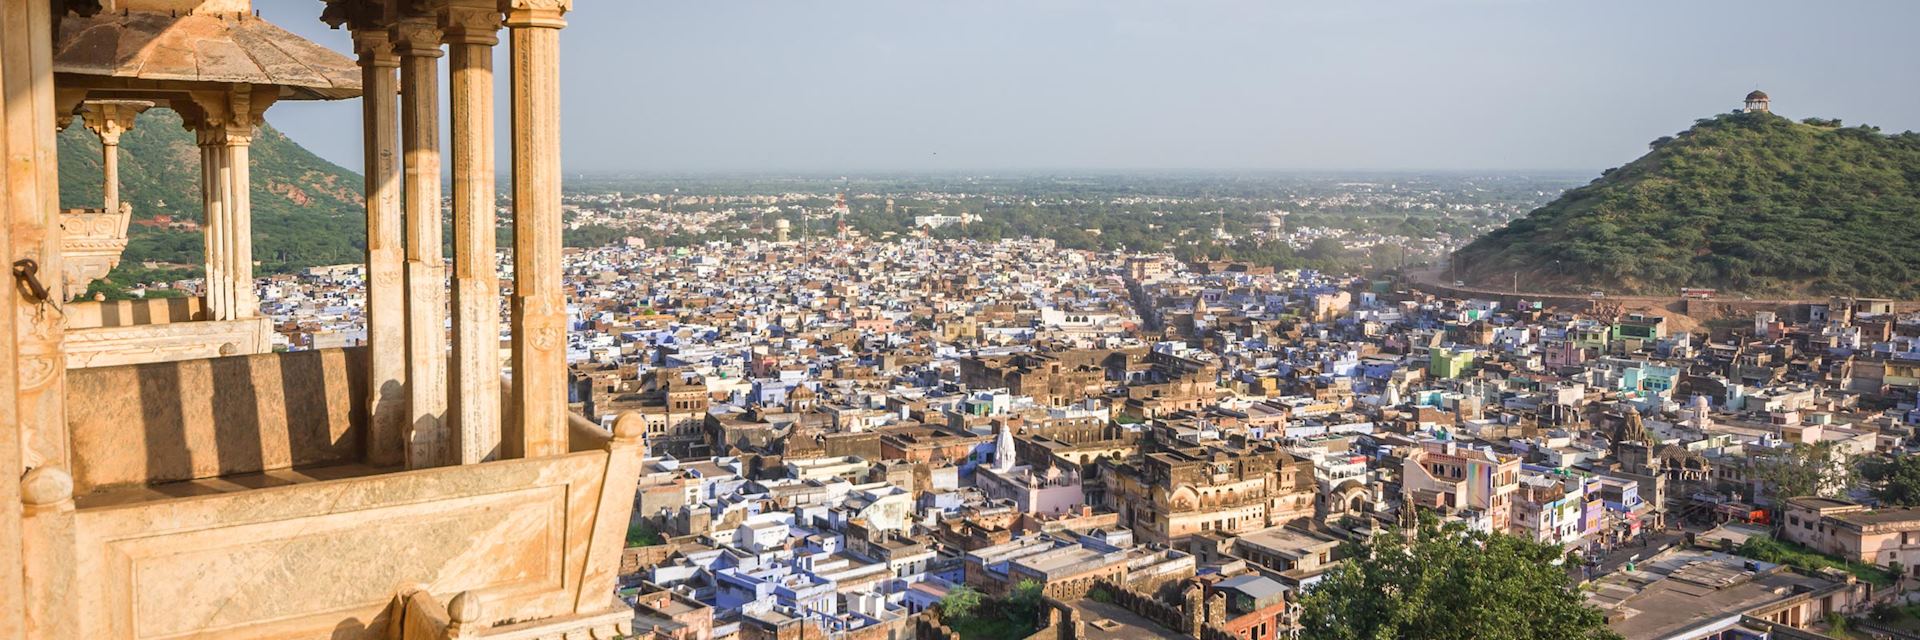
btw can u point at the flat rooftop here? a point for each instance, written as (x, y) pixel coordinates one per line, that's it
(1110, 622)
(1286, 540)
(1816, 502)
(1063, 561)
(1685, 589)
(1879, 516)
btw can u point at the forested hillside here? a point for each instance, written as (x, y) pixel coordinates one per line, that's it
(1747, 202)
(306, 211)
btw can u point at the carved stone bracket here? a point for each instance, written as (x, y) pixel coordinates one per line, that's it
(471, 22)
(358, 15)
(536, 14)
(110, 118)
(231, 115)
(417, 36)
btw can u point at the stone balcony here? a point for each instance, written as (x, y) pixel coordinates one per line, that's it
(91, 242)
(233, 498)
(108, 333)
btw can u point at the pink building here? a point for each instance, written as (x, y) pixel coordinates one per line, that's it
(1475, 484)
(1051, 490)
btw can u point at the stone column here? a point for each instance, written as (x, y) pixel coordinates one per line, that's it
(237, 139)
(472, 29)
(417, 39)
(386, 257)
(223, 121)
(539, 303)
(239, 184)
(108, 119)
(32, 358)
(36, 524)
(213, 225)
(29, 197)
(109, 168)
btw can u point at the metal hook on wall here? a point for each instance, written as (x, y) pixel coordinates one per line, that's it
(27, 271)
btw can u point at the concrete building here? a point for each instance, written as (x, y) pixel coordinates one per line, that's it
(1689, 594)
(1851, 531)
(1475, 484)
(1168, 495)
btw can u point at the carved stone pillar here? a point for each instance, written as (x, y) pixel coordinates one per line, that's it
(417, 39)
(239, 184)
(32, 371)
(539, 302)
(472, 29)
(224, 122)
(109, 168)
(213, 225)
(108, 119)
(92, 242)
(386, 249)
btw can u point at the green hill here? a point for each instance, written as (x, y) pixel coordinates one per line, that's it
(1743, 202)
(306, 211)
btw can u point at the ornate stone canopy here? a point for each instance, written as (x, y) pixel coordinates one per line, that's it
(138, 48)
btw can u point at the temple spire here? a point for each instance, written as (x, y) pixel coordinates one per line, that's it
(1003, 457)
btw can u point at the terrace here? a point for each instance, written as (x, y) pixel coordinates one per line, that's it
(178, 479)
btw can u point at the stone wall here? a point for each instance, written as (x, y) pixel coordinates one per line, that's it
(633, 560)
(1146, 606)
(927, 625)
(322, 559)
(866, 445)
(161, 422)
(1197, 617)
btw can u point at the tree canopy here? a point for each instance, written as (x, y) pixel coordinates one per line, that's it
(960, 602)
(1450, 584)
(1896, 480)
(1815, 469)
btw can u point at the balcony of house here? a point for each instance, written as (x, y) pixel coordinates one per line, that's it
(242, 497)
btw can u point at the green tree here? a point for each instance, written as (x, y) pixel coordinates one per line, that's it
(1817, 469)
(1896, 480)
(1449, 583)
(960, 602)
(1026, 599)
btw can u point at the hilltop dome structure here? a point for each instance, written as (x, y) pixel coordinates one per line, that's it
(1758, 101)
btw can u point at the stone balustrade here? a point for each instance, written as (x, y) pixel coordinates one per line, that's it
(125, 332)
(257, 465)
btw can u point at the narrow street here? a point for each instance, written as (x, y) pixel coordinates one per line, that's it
(1143, 305)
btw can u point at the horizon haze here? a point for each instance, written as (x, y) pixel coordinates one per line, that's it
(864, 86)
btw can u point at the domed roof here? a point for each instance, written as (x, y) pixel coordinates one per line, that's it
(1757, 95)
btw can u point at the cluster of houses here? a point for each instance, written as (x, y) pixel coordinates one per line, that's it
(842, 435)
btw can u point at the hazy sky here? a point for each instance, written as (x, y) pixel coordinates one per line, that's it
(959, 85)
